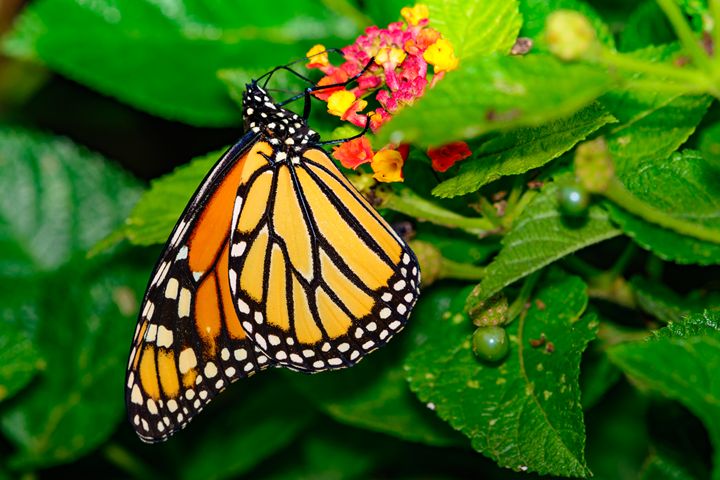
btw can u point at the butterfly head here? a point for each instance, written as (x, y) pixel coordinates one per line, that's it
(283, 129)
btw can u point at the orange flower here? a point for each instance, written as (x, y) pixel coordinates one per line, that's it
(448, 155)
(344, 104)
(338, 75)
(387, 165)
(354, 152)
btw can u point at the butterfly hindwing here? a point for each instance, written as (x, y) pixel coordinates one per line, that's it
(189, 344)
(323, 278)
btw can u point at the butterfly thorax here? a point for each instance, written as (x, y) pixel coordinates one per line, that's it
(286, 131)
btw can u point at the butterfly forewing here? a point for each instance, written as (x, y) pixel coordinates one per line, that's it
(189, 344)
(324, 279)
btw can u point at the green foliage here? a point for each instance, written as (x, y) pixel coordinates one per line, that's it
(506, 92)
(612, 349)
(693, 346)
(164, 57)
(531, 397)
(522, 150)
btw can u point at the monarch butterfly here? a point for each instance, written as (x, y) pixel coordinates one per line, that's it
(276, 261)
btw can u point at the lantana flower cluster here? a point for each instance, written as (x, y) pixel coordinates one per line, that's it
(393, 64)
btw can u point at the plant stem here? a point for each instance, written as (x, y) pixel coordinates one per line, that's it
(518, 305)
(617, 192)
(460, 271)
(666, 71)
(623, 260)
(121, 458)
(686, 35)
(409, 203)
(658, 86)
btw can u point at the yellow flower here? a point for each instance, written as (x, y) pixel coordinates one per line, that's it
(413, 15)
(318, 56)
(441, 55)
(339, 102)
(391, 55)
(387, 165)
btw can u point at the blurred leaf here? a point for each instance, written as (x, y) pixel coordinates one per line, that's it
(660, 467)
(521, 150)
(690, 191)
(456, 245)
(597, 376)
(375, 396)
(540, 236)
(76, 315)
(476, 27)
(58, 200)
(710, 145)
(384, 12)
(535, 13)
(496, 93)
(162, 57)
(19, 360)
(77, 401)
(694, 347)
(524, 413)
(618, 440)
(646, 26)
(265, 419)
(664, 304)
(158, 210)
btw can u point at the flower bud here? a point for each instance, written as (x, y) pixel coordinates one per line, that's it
(594, 168)
(429, 259)
(569, 34)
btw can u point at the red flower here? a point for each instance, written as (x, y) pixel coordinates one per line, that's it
(354, 153)
(448, 155)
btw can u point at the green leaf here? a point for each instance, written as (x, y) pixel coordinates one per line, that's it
(540, 236)
(158, 210)
(690, 191)
(710, 145)
(661, 467)
(375, 396)
(243, 431)
(476, 27)
(535, 13)
(597, 376)
(496, 93)
(646, 26)
(525, 413)
(163, 57)
(694, 347)
(58, 200)
(668, 306)
(521, 150)
(19, 360)
(76, 402)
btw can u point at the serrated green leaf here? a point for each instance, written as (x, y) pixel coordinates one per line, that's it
(19, 359)
(476, 27)
(58, 200)
(540, 236)
(525, 413)
(694, 349)
(158, 210)
(163, 57)
(374, 396)
(688, 193)
(496, 93)
(668, 306)
(244, 431)
(535, 13)
(521, 150)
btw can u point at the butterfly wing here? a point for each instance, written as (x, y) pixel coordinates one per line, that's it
(189, 345)
(321, 276)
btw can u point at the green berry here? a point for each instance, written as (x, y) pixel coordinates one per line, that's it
(490, 343)
(574, 200)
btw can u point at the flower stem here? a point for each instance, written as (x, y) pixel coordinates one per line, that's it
(631, 64)
(409, 203)
(518, 305)
(686, 35)
(460, 271)
(617, 192)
